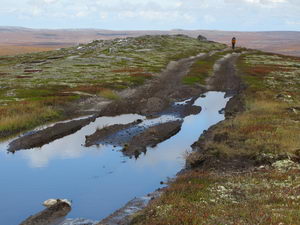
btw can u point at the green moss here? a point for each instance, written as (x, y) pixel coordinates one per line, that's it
(193, 80)
(202, 69)
(29, 93)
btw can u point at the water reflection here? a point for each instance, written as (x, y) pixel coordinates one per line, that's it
(100, 179)
(72, 146)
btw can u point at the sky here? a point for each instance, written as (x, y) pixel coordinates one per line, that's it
(237, 15)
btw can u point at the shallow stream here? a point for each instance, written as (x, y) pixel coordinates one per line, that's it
(98, 179)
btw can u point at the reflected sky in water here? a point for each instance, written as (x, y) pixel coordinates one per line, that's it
(98, 179)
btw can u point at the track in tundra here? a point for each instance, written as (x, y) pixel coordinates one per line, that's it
(100, 179)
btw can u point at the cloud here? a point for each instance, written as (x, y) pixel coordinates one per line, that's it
(50, 1)
(157, 14)
(209, 19)
(261, 3)
(289, 22)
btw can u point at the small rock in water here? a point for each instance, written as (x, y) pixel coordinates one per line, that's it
(222, 111)
(161, 182)
(50, 202)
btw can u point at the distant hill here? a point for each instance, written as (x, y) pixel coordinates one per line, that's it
(14, 40)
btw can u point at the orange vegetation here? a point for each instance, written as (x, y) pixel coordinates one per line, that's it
(14, 50)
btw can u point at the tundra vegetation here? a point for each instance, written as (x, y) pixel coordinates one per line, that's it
(203, 68)
(247, 172)
(37, 88)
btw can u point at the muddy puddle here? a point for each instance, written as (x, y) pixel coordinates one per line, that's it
(98, 179)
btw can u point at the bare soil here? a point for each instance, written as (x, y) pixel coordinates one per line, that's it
(101, 135)
(225, 78)
(158, 94)
(49, 134)
(123, 215)
(151, 137)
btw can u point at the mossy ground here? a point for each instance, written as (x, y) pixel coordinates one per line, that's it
(262, 197)
(50, 80)
(267, 134)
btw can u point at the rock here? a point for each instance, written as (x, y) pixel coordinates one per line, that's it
(284, 165)
(50, 202)
(49, 215)
(201, 38)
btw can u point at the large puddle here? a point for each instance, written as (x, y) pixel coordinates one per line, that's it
(98, 179)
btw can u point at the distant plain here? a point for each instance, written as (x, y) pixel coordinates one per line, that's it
(18, 40)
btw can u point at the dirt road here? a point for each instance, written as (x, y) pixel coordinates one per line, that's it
(149, 99)
(224, 78)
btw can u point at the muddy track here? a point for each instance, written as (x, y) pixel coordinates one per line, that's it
(149, 99)
(225, 79)
(157, 95)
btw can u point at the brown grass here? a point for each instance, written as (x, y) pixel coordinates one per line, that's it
(109, 94)
(25, 115)
(261, 70)
(15, 50)
(198, 197)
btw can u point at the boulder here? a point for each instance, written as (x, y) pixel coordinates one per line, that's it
(201, 38)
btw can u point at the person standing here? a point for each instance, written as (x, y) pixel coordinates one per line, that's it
(233, 42)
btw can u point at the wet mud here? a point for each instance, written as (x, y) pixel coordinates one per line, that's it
(101, 135)
(151, 137)
(160, 93)
(123, 216)
(225, 77)
(40, 138)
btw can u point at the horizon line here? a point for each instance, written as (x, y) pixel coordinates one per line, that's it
(173, 29)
